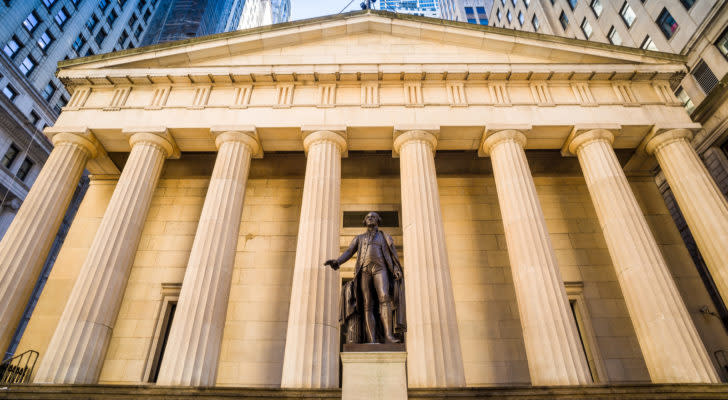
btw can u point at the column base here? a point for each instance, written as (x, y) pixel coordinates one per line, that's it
(374, 375)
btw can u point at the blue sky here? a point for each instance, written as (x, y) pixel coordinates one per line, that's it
(302, 9)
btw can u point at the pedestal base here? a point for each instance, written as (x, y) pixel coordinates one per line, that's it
(379, 375)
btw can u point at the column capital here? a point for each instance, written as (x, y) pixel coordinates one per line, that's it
(158, 136)
(244, 134)
(80, 136)
(666, 137)
(587, 137)
(402, 136)
(503, 136)
(315, 135)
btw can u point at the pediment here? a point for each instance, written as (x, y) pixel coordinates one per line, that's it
(372, 42)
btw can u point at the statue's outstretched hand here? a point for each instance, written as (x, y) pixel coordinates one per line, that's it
(333, 264)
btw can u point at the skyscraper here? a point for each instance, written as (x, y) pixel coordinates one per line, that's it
(184, 19)
(264, 12)
(471, 11)
(427, 8)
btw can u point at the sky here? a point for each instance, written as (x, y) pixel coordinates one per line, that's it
(302, 9)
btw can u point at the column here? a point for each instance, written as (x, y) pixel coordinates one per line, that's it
(433, 342)
(192, 352)
(311, 358)
(669, 341)
(701, 202)
(76, 351)
(553, 346)
(26, 243)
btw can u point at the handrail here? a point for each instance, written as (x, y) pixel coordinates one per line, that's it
(18, 369)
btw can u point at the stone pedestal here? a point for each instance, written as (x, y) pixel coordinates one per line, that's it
(554, 350)
(433, 341)
(26, 243)
(76, 351)
(669, 341)
(374, 375)
(701, 202)
(312, 339)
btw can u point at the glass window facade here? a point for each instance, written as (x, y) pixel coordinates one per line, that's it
(628, 14)
(667, 23)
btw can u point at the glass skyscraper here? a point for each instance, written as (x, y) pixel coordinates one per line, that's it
(427, 8)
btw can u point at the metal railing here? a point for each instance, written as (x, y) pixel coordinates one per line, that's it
(18, 369)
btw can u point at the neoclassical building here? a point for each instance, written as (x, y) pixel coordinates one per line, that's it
(514, 171)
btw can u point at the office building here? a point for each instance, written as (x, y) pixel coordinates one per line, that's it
(426, 8)
(470, 11)
(264, 12)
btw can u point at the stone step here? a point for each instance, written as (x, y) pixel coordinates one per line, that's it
(593, 392)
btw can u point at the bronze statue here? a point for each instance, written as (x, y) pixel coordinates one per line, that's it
(378, 279)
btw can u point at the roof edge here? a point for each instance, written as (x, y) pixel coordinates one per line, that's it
(405, 17)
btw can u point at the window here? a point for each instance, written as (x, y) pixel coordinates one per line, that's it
(498, 14)
(165, 316)
(572, 4)
(103, 4)
(48, 91)
(648, 44)
(61, 17)
(614, 37)
(586, 28)
(138, 32)
(509, 16)
(534, 22)
(667, 23)
(705, 76)
(628, 15)
(143, 3)
(132, 19)
(122, 38)
(575, 294)
(78, 43)
(355, 219)
(521, 18)
(111, 18)
(722, 43)
(503, 2)
(687, 3)
(564, 21)
(686, 101)
(75, 2)
(12, 47)
(92, 22)
(482, 16)
(49, 3)
(10, 156)
(597, 8)
(89, 52)
(147, 15)
(122, 3)
(513, 2)
(31, 21)
(101, 36)
(27, 65)
(33, 118)
(24, 169)
(10, 93)
(470, 15)
(527, 3)
(45, 40)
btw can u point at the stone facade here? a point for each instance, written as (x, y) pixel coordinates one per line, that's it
(407, 125)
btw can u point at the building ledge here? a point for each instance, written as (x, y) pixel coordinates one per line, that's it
(592, 392)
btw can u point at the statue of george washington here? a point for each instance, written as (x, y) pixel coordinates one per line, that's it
(378, 279)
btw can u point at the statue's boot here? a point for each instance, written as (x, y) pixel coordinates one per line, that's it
(370, 325)
(385, 311)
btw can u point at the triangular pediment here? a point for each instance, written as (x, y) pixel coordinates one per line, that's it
(374, 41)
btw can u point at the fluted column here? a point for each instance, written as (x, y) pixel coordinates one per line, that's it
(76, 351)
(311, 358)
(27, 241)
(701, 202)
(669, 341)
(193, 349)
(553, 346)
(434, 357)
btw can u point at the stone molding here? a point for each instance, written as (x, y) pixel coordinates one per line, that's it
(158, 136)
(663, 139)
(337, 136)
(403, 136)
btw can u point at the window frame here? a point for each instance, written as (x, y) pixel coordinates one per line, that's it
(613, 31)
(722, 37)
(48, 94)
(584, 25)
(664, 17)
(165, 316)
(24, 169)
(563, 21)
(572, 4)
(12, 158)
(14, 39)
(645, 44)
(34, 26)
(623, 9)
(13, 93)
(687, 103)
(64, 16)
(585, 329)
(535, 22)
(43, 44)
(25, 69)
(601, 8)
